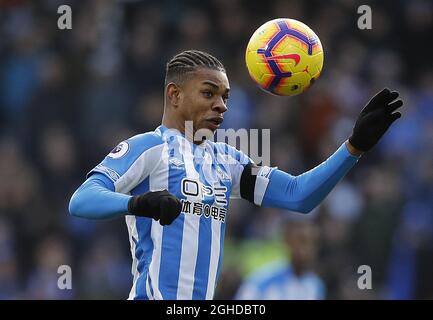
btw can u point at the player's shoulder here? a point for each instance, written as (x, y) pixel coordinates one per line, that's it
(146, 140)
(141, 151)
(136, 145)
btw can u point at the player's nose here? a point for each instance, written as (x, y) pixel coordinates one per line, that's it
(219, 106)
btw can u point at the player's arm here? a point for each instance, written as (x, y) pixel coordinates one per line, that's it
(96, 199)
(274, 188)
(105, 193)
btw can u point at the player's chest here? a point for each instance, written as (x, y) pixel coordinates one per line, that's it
(209, 183)
(203, 187)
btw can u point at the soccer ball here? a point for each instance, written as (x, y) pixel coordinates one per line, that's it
(284, 57)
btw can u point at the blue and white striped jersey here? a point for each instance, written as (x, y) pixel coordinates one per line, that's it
(181, 260)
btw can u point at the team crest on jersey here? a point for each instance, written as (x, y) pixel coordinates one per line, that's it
(119, 151)
(221, 174)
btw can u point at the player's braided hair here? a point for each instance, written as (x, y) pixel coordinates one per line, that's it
(188, 61)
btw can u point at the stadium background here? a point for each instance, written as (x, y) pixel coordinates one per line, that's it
(67, 97)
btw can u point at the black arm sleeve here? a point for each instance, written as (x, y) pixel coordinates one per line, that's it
(248, 182)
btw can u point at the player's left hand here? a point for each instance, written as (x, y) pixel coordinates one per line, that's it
(375, 119)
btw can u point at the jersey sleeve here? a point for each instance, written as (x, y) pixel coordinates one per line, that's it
(304, 192)
(131, 161)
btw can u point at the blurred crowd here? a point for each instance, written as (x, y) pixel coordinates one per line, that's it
(67, 97)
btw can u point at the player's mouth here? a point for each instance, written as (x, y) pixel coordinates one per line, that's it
(215, 122)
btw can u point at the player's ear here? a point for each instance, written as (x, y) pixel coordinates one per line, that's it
(173, 94)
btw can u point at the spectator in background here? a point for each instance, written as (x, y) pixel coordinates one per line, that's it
(9, 288)
(293, 279)
(51, 253)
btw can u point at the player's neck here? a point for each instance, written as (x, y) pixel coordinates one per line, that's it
(171, 123)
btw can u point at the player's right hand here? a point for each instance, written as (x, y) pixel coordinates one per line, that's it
(159, 205)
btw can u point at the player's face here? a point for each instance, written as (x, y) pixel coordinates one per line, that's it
(204, 99)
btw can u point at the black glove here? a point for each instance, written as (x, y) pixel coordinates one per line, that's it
(159, 205)
(375, 119)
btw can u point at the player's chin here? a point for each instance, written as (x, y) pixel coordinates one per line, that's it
(206, 130)
(210, 125)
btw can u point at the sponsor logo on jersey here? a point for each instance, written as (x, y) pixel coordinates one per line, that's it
(195, 189)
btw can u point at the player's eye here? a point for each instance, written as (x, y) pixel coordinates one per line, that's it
(207, 94)
(226, 98)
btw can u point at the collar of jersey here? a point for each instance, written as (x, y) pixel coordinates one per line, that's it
(168, 133)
